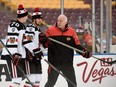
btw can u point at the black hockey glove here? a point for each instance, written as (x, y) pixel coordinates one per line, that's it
(86, 54)
(38, 53)
(43, 39)
(16, 58)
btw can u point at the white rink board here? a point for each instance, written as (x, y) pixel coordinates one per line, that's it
(89, 73)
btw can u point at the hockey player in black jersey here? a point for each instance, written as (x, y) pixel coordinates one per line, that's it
(13, 42)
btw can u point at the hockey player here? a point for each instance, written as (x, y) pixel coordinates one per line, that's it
(13, 42)
(32, 45)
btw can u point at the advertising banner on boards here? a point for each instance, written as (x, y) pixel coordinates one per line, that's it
(89, 72)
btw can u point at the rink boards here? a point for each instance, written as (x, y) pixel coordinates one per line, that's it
(89, 72)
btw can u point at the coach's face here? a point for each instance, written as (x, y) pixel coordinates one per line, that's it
(61, 22)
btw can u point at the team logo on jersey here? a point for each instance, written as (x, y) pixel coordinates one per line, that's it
(12, 39)
(68, 38)
(13, 29)
(30, 29)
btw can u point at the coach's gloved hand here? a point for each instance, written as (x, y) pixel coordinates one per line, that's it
(38, 53)
(16, 58)
(86, 53)
(43, 39)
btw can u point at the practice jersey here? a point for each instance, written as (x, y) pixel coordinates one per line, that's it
(31, 40)
(14, 39)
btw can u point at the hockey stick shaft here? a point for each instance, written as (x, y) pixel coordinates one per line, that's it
(61, 43)
(17, 65)
(60, 73)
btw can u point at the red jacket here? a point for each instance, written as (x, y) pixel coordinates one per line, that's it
(57, 54)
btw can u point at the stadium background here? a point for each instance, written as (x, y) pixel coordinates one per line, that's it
(79, 12)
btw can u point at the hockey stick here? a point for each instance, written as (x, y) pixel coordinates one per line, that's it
(17, 65)
(61, 43)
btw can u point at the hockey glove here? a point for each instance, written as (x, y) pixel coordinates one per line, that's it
(38, 53)
(16, 58)
(86, 54)
(43, 39)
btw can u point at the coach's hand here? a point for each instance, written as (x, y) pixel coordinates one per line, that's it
(16, 58)
(86, 53)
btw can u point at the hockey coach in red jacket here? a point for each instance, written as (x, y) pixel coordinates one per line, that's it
(60, 56)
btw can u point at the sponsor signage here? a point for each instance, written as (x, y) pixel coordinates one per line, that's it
(89, 72)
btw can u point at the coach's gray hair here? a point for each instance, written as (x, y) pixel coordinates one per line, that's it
(64, 16)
